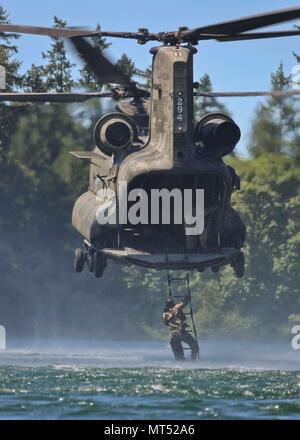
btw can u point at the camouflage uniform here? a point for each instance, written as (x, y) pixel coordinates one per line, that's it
(175, 319)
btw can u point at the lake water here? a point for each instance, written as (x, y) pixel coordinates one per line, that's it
(140, 380)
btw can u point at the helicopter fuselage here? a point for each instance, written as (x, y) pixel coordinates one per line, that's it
(169, 158)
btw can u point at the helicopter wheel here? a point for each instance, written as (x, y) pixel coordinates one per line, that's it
(99, 264)
(90, 261)
(79, 260)
(239, 265)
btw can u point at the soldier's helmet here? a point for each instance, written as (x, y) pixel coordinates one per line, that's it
(170, 302)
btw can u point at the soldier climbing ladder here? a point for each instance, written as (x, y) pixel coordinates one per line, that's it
(176, 300)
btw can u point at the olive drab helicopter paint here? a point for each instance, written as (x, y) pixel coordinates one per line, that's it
(152, 141)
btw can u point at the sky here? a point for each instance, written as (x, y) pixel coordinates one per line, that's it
(232, 66)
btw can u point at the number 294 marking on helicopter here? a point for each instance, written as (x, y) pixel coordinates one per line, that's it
(180, 112)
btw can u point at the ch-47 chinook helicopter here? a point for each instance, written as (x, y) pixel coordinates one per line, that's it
(152, 141)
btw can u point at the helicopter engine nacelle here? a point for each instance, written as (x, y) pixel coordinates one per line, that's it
(217, 133)
(113, 132)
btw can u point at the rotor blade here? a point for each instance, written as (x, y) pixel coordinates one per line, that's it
(105, 71)
(72, 32)
(258, 35)
(243, 24)
(48, 31)
(244, 94)
(52, 97)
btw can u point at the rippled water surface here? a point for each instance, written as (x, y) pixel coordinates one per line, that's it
(140, 381)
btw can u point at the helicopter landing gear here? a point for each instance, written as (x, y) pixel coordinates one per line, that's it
(99, 264)
(95, 260)
(79, 260)
(90, 260)
(238, 264)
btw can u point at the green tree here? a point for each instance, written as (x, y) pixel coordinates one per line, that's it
(126, 65)
(276, 124)
(58, 70)
(146, 75)
(8, 52)
(87, 79)
(202, 104)
(35, 80)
